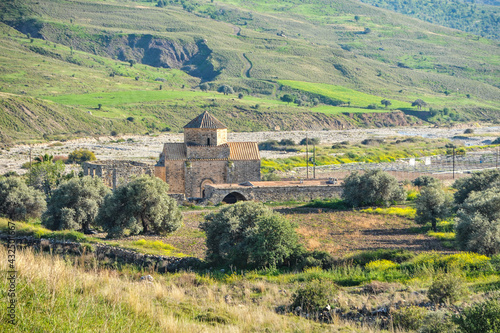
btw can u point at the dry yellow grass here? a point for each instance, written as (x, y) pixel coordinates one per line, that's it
(57, 296)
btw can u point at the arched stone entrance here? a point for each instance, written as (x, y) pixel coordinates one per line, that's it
(204, 183)
(234, 197)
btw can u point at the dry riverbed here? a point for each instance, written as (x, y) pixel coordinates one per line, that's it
(148, 148)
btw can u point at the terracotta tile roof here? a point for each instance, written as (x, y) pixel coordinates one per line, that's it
(175, 151)
(205, 120)
(243, 151)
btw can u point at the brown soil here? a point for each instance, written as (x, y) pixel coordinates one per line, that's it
(337, 232)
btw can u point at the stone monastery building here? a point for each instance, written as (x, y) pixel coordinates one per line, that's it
(206, 157)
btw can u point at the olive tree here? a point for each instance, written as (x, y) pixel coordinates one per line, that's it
(141, 206)
(75, 204)
(375, 187)
(479, 181)
(46, 176)
(248, 234)
(18, 201)
(432, 204)
(478, 222)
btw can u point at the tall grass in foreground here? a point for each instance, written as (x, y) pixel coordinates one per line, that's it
(55, 295)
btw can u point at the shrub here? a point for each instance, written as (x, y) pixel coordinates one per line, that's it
(225, 89)
(287, 142)
(479, 181)
(381, 265)
(365, 257)
(18, 201)
(425, 181)
(310, 141)
(432, 204)
(437, 322)
(469, 131)
(80, 156)
(271, 177)
(140, 206)
(409, 318)
(448, 287)
(375, 187)
(75, 204)
(204, 86)
(478, 222)
(249, 234)
(316, 259)
(483, 317)
(313, 296)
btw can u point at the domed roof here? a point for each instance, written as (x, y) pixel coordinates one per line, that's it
(205, 120)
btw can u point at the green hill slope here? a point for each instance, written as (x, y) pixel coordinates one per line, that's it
(133, 59)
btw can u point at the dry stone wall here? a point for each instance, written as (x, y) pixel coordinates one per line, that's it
(108, 254)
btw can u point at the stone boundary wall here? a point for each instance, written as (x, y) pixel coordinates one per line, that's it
(275, 193)
(107, 254)
(178, 197)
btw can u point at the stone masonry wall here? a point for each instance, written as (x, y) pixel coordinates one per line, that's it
(199, 171)
(115, 173)
(243, 171)
(207, 152)
(275, 193)
(200, 136)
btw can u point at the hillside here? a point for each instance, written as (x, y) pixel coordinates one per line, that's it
(481, 18)
(115, 60)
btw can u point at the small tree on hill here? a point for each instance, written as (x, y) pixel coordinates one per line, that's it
(75, 204)
(141, 206)
(432, 204)
(478, 222)
(248, 234)
(81, 155)
(204, 86)
(385, 102)
(18, 201)
(419, 103)
(225, 89)
(287, 98)
(375, 187)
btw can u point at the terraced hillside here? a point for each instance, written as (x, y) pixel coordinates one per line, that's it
(141, 63)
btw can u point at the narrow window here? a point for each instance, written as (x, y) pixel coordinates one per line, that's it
(208, 141)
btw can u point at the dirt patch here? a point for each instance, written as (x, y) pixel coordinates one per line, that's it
(342, 232)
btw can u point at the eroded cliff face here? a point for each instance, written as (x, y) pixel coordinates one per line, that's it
(192, 57)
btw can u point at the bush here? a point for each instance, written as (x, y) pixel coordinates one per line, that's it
(18, 201)
(469, 131)
(313, 296)
(437, 322)
(248, 234)
(479, 181)
(365, 257)
(381, 265)
(310, 141)
(268, 145)
(425, 181)
(449, 287)
(409, 318)
(483, 317)
(140, 206)
(75, 204)
(287, 142)
(225, 89)
(375, 187)
(432, 204)
(81, 155)
(478, 222)
(321, 259)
